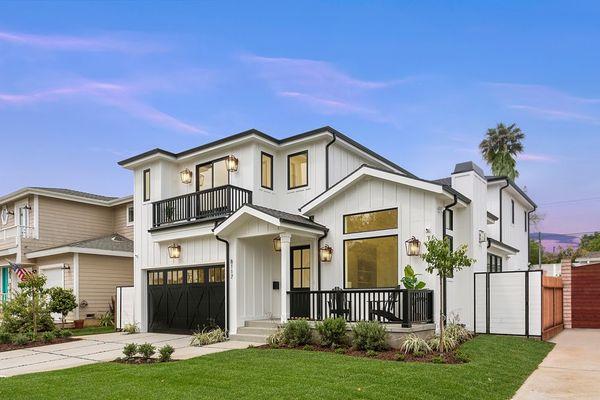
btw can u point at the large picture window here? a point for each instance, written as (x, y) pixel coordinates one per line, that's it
(298, 170)
(371, 221)
(371, 262)
(212, 174)
(266, 171)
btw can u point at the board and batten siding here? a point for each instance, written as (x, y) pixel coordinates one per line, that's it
(98, 278)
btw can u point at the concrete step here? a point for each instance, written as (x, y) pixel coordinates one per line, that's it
(256, 331)
(263, 324)
(249, 338)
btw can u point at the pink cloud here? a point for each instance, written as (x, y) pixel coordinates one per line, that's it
(325, 104)
(76, 43)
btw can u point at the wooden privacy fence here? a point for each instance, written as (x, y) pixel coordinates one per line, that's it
(552, 306)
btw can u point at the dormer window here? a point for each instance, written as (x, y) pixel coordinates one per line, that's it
(298, 170)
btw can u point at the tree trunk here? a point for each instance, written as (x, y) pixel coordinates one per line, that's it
(34, 310)
(441, 314)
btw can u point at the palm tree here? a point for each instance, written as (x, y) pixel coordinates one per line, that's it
(500, 148)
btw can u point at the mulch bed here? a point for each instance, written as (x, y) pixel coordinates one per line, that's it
(388, 355)
(37, 343)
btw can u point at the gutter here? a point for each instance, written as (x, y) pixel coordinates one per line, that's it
(226, 281)
(327, 164)
(500, 204)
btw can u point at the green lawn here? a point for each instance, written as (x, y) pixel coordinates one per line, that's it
(499, 366)
(93, 330)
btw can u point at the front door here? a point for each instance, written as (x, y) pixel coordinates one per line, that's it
(300, 282)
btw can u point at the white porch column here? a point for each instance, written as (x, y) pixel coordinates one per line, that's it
(233, 291)
(286, 239)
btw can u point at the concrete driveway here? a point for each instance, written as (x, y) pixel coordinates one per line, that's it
(570, 371)
(100, 348)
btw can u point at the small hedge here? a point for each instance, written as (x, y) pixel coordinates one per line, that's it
(297, 333)
(332, 331)
(369, 335)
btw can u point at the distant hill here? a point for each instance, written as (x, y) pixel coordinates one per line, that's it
(551, 241)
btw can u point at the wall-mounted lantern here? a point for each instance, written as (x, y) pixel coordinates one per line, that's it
(277, 243)
(232, 163)
(413, 246)
(325, 253)
(174, 251)
(482, 236)
(186, 176)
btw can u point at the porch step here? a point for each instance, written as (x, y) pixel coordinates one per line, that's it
(256, 331)
(249, 338)
(263, 323)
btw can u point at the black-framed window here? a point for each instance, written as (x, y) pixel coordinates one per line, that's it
(371, 262)
(146, 185)
(449, 215)
(212, 174)
(371, 221)
(156, 278)
(512, 205)
(130, 215)
(266, 170)
(494, 263)
(297, 165)
(525, 220)
(300, 267)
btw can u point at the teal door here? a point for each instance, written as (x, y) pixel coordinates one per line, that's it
(4, 280)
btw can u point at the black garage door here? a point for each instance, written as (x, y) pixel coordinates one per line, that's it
(186, 299)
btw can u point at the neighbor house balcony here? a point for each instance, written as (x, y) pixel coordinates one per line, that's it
(203, 205)
(394, 306)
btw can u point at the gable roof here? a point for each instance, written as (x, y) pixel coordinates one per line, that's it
(512, 183)
(77, 193)
(113, 244)
(255, 132)
(66, 194)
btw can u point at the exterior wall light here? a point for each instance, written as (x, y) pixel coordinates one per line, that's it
(174, 251)
(325, 253)
(232, 163)
(413, 246)
(186, 176)
(277, 243)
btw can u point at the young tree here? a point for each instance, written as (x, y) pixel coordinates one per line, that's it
(500, 148)
(62, 301)
(440, 258)
(32, 286)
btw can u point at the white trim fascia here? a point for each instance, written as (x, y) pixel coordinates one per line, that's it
(51, 266)
(356, 150)
(81, 250)
(9, 251)
(121, 200)
(40, 192)
(499, 249)
(220, 146)
(242, 211)
(36, 216)
(363, 171)
(76, 282)
(148, 159)
(187, 231)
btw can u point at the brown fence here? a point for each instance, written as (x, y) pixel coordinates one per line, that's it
(552, 306)
(585, 296)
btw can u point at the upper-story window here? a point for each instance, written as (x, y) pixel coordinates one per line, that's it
(212, 174)
(371, 221)
(298, 170)
(512, 205)
(130, 215)
(266, 170)
(146, 178)
(449, 216)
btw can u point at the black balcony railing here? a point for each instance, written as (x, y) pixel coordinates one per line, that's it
(206, 204)
(400, 306)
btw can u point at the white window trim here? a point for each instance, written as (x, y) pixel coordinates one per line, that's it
(128, 222)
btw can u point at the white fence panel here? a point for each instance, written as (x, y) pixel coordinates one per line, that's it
(480, 303)
(535, 304)
(124, 306)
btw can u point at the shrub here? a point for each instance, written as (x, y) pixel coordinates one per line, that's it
(276, 339)
(146, 350)
(415, 345)
(308, 347)
(17, 314)
(458, 333)
(449, 342)
(64, 333)
(48, 336)
(130, 350)
(438, 360)
(21, 339)
(297, 332)
(5, 337)
(107, 319)
(205, 337)
(400, 356)
(462, 357)
(165, 353)
(369, 335)
(332, 331)
(371, 353)
(340, 350)
(131, 329)
(62, 301)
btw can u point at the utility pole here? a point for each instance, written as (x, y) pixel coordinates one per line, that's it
(540, 249)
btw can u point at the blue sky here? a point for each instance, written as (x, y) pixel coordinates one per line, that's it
(83, 85)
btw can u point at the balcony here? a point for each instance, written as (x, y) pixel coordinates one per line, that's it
(209, 204)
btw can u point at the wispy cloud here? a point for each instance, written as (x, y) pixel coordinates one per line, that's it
(536, 157)
(118, 96)
(328, 105)
(103, 43)
(555, 114)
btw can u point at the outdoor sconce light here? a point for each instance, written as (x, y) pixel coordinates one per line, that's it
(325, 253)
(482, 236)
(413, 246)
(174, 251)
(186, 176)
(277, 243)
(232, 163)
(27, 207)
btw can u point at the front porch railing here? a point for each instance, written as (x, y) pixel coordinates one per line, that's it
(400, 306)
(212, 203)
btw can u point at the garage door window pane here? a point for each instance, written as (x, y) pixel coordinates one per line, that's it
(175, 277)
(371, 262)
(216, 275)
(195, 276)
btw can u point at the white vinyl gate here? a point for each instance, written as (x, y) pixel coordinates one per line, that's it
(508, 303)
(124, 306)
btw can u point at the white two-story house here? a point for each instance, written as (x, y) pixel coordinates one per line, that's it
(252, 227)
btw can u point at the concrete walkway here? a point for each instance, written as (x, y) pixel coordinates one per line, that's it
(570, 371)
(100, 348)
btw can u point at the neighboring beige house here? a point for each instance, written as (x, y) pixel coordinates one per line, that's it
(78, 240)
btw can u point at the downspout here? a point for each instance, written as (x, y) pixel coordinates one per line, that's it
(500, 193)
(528, 238)
(448, 207)
(226, 281)
(327, 164)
